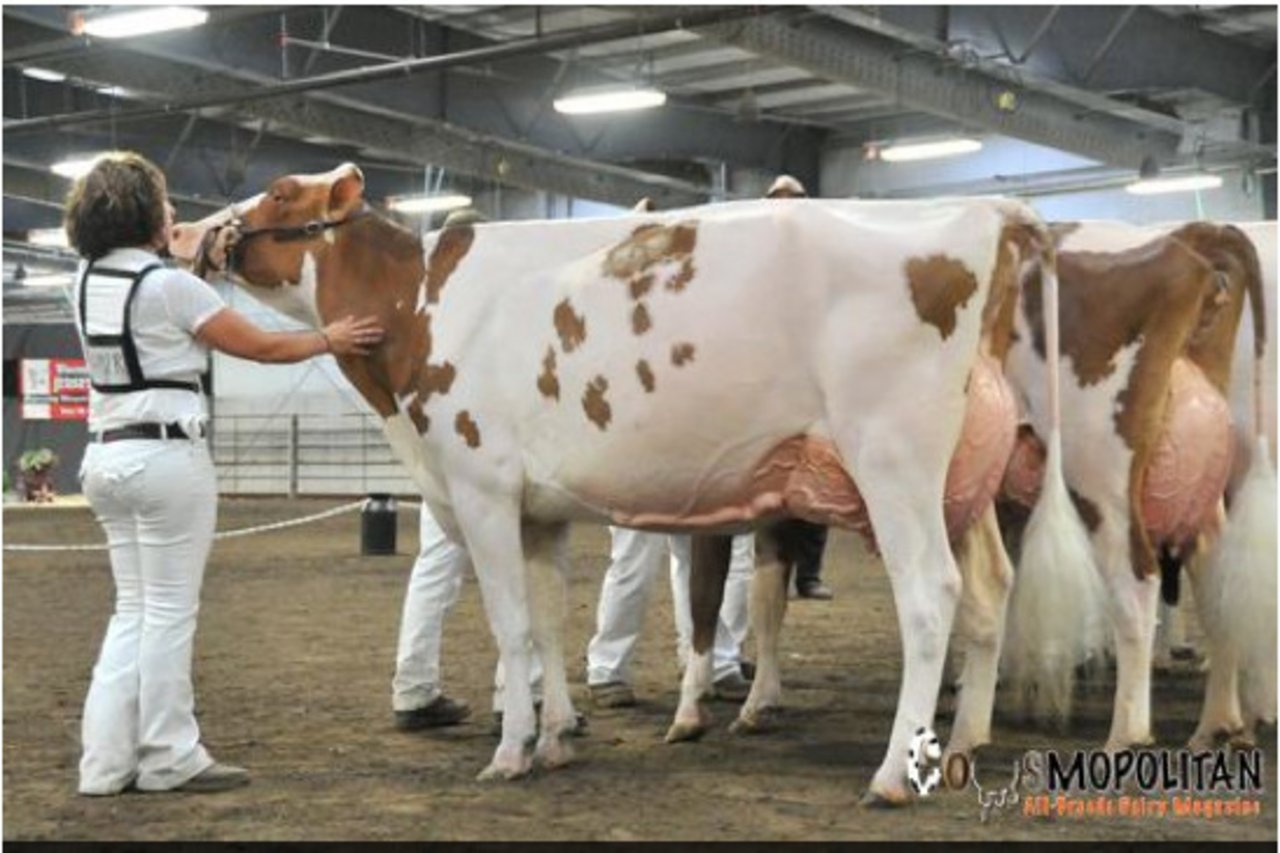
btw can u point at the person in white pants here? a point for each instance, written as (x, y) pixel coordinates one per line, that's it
(146, 330)
(636, 560)
(417, 698)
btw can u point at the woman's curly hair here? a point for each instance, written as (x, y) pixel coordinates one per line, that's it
(119, 203)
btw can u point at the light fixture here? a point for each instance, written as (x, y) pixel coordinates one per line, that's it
(428, 203)
(44, 74)
(908, 152)
(145, 21)
(74, 167)
(46, 280)
(113, 91)
(609, 100)
(54, 237)
(1175, 184)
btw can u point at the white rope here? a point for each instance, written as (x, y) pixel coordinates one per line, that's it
(225, 534)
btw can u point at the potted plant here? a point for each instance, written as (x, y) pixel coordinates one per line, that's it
(37, 467)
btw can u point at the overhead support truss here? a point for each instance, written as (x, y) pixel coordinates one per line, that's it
(923, 81)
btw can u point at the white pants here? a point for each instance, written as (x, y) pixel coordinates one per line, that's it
(434, 585)
(157, 502)
(636, 559)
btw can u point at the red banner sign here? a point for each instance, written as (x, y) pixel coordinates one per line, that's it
(54, 389)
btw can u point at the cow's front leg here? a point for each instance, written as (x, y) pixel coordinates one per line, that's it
(987, 578)
(544, 547)
(906, 514)
(768, 607)
(491, 527)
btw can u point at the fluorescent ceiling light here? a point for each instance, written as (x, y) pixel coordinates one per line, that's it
(47, 237)
(74, 167)
(144, 21)
(428, 203)
(44, 74)
(929, 150)
(587, 101)
(1175, 184)
(113, 91)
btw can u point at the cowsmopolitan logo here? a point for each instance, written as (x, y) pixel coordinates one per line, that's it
(1145, 783)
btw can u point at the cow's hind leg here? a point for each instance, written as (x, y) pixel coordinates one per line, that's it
(1133, 604)
(988, 578)
(544, 547)
(491, 528)
(902, 484)
(709, 567)
(774, 558)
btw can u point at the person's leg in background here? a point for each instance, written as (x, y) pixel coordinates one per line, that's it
(635, 559)
(434, 584)
(810, 543)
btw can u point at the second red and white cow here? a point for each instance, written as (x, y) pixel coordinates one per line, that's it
(704, 370)
(1149, 322)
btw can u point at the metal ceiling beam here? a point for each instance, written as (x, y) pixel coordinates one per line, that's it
(71, 45)
(934, 84)
(400, 68)
(33, 182)
(394, 135)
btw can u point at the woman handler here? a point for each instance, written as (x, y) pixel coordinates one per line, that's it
(147, 330)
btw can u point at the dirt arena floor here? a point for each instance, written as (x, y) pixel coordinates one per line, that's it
(293, 663)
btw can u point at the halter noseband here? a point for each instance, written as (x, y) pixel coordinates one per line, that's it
(279, 233)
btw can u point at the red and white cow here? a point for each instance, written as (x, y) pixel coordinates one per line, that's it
(1149, 322)
(693, 370)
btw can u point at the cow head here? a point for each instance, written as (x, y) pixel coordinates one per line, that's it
(278, 238)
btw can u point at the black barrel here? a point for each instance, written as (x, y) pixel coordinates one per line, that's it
(378, 526)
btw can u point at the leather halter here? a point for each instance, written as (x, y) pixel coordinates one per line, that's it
(279, 233)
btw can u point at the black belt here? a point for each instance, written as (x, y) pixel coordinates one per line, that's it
(142, 431)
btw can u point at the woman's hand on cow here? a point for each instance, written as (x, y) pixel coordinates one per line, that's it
(350, 336)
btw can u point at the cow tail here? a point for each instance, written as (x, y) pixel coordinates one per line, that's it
(1056, 613)
(1240, 615)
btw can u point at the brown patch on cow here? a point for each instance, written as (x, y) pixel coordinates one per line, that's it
(1235, 261)
(464, 426)
(649, 245)
(436, 379)
(570, 326)
(1087, 510)
(709, 559)
(940, 286)
(641, 322)
(645, 372)
(421, 422)
(1017, 242)
(681, 354)
(641, 285)
(548, 383)
(680, 280)
(1152, 296)
(451, 247)
(595, 405)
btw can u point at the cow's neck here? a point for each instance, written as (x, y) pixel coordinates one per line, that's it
(374, 267)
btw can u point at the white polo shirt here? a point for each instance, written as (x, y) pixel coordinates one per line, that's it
(170, 307)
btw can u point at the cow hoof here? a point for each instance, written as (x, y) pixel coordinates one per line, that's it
(685, 732)
(873, 800)
(1242, 741)
(506, 766)
(554, 753)
(760, 722)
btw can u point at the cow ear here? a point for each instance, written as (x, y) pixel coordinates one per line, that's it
(346, 192)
